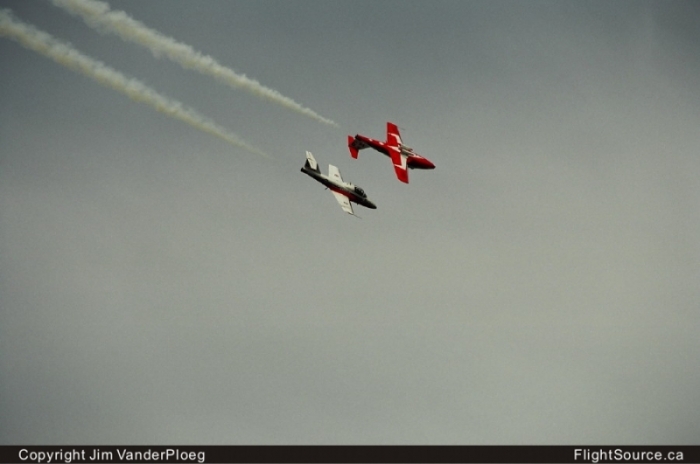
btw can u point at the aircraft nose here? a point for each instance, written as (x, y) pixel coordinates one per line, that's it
(371, 205)
(422, 163)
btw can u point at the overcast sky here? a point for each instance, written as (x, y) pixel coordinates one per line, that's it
(540, 286)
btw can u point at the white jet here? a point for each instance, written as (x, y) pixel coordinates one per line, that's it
(344, 192)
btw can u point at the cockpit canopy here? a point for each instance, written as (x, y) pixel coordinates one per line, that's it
(406, 149)
(360, 192)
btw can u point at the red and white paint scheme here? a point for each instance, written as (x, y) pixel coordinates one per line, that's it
(402, 157)
(344, 192)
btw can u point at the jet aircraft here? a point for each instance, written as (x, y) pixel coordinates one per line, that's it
(344, 192)
(402, 157)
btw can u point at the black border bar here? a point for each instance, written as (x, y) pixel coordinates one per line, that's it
(350, 454)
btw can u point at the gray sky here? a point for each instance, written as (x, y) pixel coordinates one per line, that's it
(540, 286)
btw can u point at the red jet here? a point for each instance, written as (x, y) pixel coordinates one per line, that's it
(401, 156)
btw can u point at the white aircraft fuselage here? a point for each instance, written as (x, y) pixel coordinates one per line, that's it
(336, 184)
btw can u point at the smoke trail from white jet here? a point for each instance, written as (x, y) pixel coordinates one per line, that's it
(64, 54)
(97, 15)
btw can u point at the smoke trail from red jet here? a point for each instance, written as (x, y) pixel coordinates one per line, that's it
(66, 55)
(98, 15)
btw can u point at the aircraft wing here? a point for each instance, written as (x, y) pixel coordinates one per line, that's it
(393, 137)
(334, 173)
(399, 161)
(344, 202)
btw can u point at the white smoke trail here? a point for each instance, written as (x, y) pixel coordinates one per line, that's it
(98, 16)
(71, 58)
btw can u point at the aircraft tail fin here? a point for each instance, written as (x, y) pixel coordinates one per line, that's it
(354, 149)
(311, 162)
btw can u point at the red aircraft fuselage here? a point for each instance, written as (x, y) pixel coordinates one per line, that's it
(401, 156)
